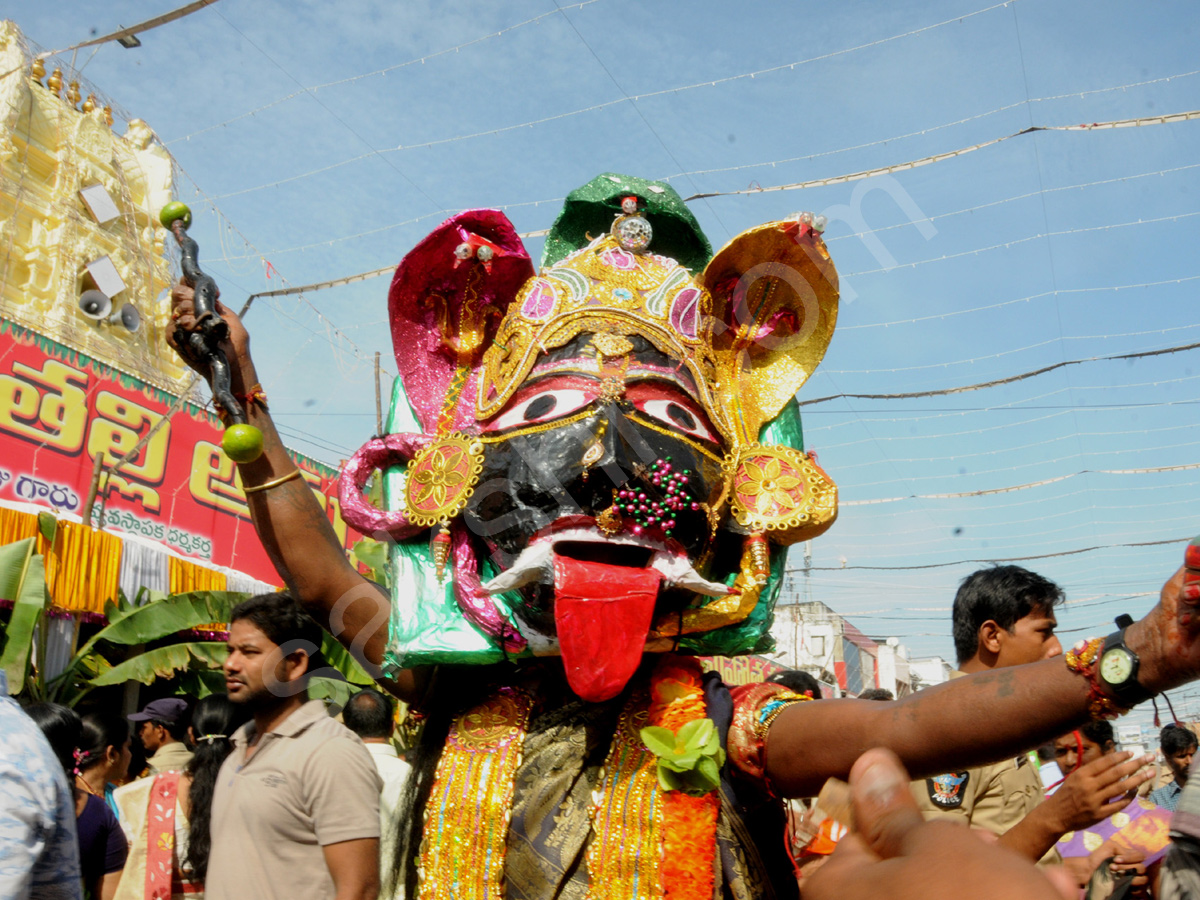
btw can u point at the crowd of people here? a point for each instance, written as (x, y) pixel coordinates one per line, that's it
(263, 792)
(1030, 806)
(244, 794)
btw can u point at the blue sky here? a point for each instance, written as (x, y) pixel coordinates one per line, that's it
(1047, 247)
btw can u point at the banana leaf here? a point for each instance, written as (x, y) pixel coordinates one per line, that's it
(115, 612)
(47, 525)
(339, 658)
(199, 683)
(374, 555)
(93, 664)
(178, 612)
(333, 690)
(143, 625)
(163, 662)
(22, 580)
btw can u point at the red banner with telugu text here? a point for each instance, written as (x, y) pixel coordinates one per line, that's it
(60, 409)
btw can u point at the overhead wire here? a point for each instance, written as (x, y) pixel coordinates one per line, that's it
(329, 242)
(1067, 363)
(941, 436)
(641, 115)
(630, 98)
(1006, 245)
(996, 547)
(975, 472)
(421, 60)
(1000, 545)
(958, 412)
(389, 269)
(1007, 559)
(1121, 179)
(1149, 470)
(808, 157)
(325, 321)
(346, 125)
(1010, 379)
(132, 30)
(891, 169)
(1016, 300)
(1002, 551)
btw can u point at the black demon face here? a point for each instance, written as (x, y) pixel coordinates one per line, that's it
(603, 477)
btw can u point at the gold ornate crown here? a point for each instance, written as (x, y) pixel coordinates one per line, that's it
(603, 289)
(750, 331)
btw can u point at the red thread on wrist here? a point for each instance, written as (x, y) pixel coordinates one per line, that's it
(1083, 659)
(256, 394)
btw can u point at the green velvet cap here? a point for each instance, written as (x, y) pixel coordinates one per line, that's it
(590, 210)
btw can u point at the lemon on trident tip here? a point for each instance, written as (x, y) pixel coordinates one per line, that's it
(242, 443)
(175, 210)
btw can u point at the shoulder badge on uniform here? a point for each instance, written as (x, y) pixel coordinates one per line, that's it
(946, 791)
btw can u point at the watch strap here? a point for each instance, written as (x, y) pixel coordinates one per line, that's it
(1130, 692)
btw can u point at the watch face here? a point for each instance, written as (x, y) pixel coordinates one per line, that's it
(1116, 666)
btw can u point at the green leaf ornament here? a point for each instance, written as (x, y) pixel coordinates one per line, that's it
(690, 759)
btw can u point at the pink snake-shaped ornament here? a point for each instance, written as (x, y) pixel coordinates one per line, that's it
(396, 450)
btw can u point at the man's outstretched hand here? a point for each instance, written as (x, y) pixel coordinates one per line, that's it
(1102, 788)
(895, 855)
(1088, 795)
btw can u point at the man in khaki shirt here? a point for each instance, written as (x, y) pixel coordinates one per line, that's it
(295, 812)
(1004, 616)
(994, 798)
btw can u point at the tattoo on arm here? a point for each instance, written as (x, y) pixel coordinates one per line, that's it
(1004, 683)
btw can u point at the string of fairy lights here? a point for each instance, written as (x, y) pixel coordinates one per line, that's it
(836, 422)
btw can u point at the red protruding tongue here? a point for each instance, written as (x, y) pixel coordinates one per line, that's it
(603, 614)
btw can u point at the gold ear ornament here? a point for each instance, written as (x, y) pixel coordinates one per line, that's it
(780, 491)
(441, 479)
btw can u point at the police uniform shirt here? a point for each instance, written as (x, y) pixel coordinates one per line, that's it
(994, 797)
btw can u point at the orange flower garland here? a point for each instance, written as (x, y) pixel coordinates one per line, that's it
(689, 823)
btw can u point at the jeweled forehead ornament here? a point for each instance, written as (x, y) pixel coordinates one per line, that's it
(632, 230)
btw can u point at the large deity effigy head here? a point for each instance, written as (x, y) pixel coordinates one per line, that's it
(602, 458)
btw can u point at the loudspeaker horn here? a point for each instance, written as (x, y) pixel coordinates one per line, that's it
(130, 318)
(95, 304)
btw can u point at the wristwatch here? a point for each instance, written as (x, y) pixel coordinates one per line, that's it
(1118, 669)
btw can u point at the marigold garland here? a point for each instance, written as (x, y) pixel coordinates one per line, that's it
(689, 823)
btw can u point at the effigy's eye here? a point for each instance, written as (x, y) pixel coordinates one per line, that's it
(543, 406)
(679, 416)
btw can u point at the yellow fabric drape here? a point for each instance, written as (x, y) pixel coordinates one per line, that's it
(16, 526)
(184, 576)
(83, 567)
